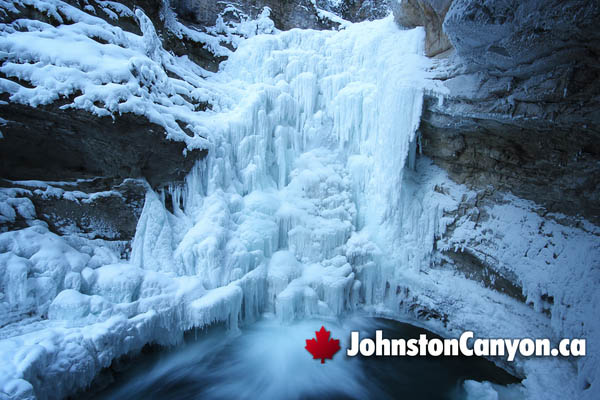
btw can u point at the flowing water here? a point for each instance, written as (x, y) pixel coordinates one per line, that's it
(268, 360)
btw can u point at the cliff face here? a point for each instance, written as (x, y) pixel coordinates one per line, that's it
(286, 14)
(106, 155)
(51, 144)
(523, 94)
(517, 121)
(429, 14)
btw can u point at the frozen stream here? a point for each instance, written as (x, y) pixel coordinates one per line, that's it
(269, 361)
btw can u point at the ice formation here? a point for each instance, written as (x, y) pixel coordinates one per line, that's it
(304, 174)
(306, 205)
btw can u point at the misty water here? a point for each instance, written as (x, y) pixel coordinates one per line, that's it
(268, 360)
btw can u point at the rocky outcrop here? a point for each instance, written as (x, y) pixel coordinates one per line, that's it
(56, 143)
(554, 164)
(90, 170)
(429, 14)
(358, 10)
(286, 14)
(100, 159)
(49, 143)
(98, 208)
(520, 114)
(516, 119)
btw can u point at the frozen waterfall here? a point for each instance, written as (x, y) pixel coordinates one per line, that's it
(307, 205)
(303, 184)
(309, 136)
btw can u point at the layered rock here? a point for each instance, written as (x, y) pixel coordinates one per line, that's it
(520, 112)
(429, 14)
(516, 119)
(52, 144)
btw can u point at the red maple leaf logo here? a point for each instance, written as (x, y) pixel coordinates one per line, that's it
(323, 347)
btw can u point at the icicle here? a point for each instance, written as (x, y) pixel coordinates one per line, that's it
(311, 153)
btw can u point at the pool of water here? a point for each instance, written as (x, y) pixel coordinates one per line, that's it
(268, 360)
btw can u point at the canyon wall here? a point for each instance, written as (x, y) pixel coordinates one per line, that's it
(521, 109)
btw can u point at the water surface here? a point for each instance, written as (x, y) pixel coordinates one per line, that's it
(269, 361)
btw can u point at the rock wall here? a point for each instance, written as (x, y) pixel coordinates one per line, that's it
(429, 14)
(516, 119)
(516, 115)
(286, 14)
(106, 156)
(52, 144)
(520, 113)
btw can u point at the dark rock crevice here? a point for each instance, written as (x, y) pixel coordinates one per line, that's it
(49, 143)
(472, 267)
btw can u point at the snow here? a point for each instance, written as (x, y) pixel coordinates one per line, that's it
(311, 202)
(126, 74)
(69, 304)
(117, 9)
(558, 267)
(12, 206)
(327, 15)
(94, 313)
(231, 32)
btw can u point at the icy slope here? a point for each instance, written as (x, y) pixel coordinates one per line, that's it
(556, 262)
